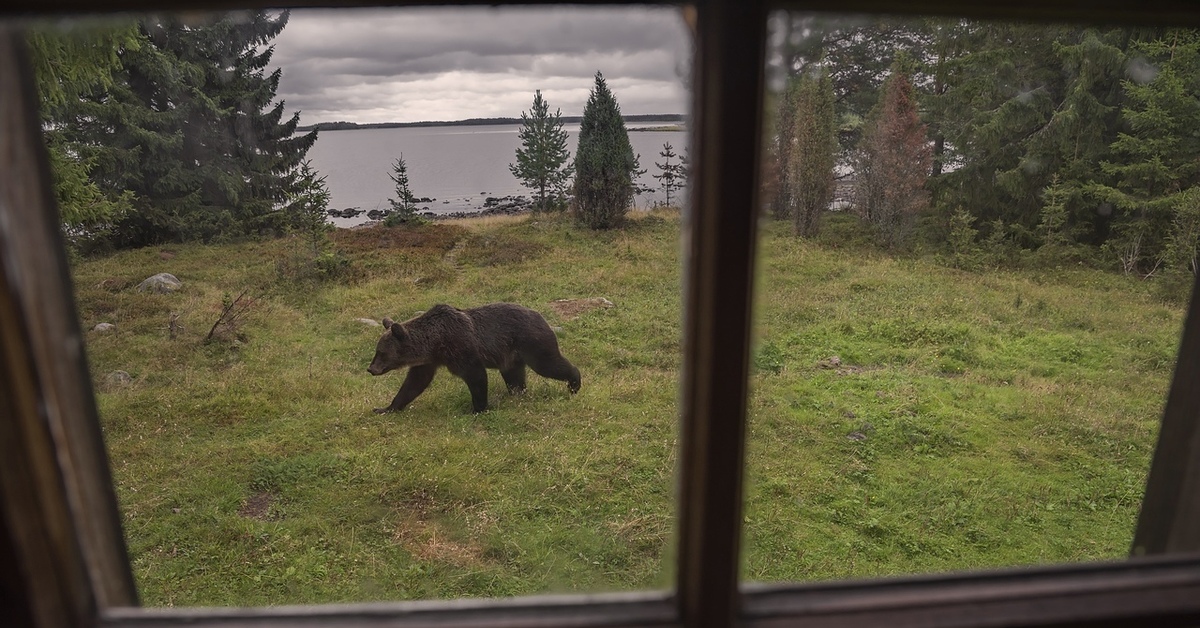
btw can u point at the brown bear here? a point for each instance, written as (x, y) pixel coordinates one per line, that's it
(501, 336)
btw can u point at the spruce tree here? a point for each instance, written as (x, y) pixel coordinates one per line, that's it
(809, 177)
(251, 156)
(189, 129)
(673, 175)
(132, 134)
(307, 209)
(605, 165)
(542, 157)
(1156, 158)
(404, 205)
(1020, 104)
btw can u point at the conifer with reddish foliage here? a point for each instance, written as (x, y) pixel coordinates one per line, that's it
(893, 162)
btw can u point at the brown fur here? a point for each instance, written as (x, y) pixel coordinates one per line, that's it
(502, 336)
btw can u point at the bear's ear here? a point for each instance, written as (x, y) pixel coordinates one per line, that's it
(398, 331)
(387, 322)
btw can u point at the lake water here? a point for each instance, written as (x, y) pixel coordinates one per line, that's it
(458, 166)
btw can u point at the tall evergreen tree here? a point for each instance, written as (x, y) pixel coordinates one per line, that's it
(1021, 105)
(605, 165)
(188, 128)
(810, 173)
(893, 162)
(1156, 159)
(250, 131)
(780, 152)
(542, 157)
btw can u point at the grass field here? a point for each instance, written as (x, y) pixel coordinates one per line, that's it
(905, 417)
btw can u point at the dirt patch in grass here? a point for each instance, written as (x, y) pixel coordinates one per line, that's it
(257, 506)
(427, 541)
(568, 309)
(419, 532)
(429, 239)
(497, 249)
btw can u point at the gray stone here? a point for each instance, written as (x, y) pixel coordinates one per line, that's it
(161, 283)
(370, 322)
(103, 327)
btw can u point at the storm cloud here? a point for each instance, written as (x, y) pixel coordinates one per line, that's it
(430, 64)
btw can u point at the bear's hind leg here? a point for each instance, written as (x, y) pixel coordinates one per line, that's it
(514, 377)
(555, 366)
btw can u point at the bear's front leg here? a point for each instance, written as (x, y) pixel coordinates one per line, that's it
(475, 375)
(415, 383)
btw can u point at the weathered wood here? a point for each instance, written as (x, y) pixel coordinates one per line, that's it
(649, 610)
(54, 471)
(46, 578)
(720, 237)
(1160, 592)
(1149, 12)
(34, 259)
(1170, 516)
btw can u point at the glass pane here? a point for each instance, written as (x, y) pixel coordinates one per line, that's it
(977, 245)
(232, 274)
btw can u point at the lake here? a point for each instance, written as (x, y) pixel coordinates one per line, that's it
(457, 166)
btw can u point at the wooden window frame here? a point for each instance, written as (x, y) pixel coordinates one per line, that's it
(62, 554)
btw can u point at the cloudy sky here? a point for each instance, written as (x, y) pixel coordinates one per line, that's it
(409, 65)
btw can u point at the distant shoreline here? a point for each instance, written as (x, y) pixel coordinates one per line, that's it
(350, 126)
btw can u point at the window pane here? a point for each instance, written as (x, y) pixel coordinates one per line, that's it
(229, 330)
(978, 240)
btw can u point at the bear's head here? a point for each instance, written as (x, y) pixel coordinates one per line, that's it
(394, 350)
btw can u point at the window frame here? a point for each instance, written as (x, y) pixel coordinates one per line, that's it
(62, 554)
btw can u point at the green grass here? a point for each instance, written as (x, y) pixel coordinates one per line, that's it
(974, 420)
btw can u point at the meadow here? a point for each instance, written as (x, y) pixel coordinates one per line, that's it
(906, 417)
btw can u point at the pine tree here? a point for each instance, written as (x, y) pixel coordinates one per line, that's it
(809, 177)
(674, 175)
(542, 157)
(404, 205)
(605, 165)
(186, 128)
(893, 162)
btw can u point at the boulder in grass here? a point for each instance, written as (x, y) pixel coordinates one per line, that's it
(162, 283)
(104, 327)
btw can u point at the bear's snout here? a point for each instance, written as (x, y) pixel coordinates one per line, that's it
(374, 370)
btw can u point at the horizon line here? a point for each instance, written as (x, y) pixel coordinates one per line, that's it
(466, 121)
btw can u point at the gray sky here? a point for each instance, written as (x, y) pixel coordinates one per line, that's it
(408, 65)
